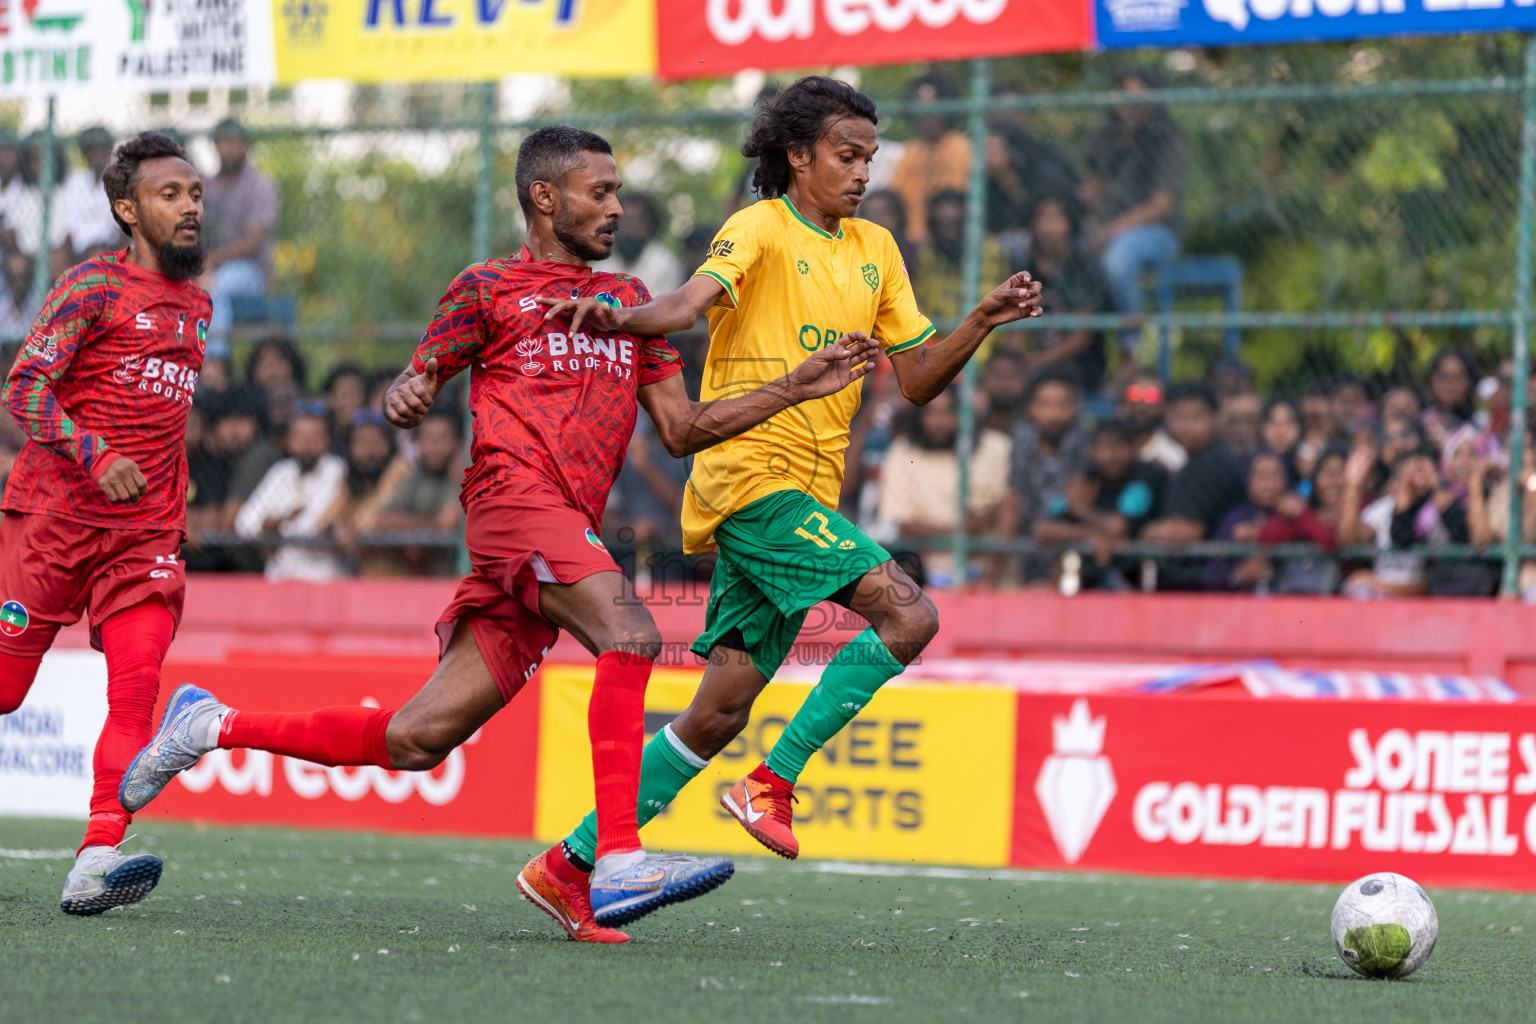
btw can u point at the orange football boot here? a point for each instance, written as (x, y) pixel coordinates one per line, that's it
(563, 901)
(764, 810)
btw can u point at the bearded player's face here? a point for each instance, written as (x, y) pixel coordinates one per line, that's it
(168, 212)
(589, 211)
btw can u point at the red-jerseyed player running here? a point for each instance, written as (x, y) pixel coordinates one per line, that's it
(553, 411)
(97, 501)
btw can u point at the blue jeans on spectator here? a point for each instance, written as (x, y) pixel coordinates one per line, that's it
(235, 278)
(1125, 258)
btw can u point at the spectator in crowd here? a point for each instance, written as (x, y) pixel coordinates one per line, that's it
(885, 208)
(1315, 520)
(208, 476)
(1232, 377)
(1267, 491)
(937, 160)
(346, 395)
(238, 424)
(428, 498)
(276, 370)
(1211, 484)
(1137, 169)
(17, 309)
(1280, 432)
(1400, 405)
(1488, 510)
(88, 227)
(12, 186)
(638, 249)
(1238, 421)
(240, 220)
(1395, 573)
(1452, 399)
(920, 481)
(295, 499)
(1141, 406)
(1108, 503)
(26, 206)
(1351, 406)
(1072, 283)
(213, 378)
(1316, 427)
(1050, 447)
(1005, 383)
(939, 283)
(375, 471)
(1022, 168)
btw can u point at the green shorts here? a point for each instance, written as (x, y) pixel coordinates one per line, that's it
(779, 556)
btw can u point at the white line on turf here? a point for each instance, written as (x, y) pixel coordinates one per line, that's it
(36, 854)
(827, 867)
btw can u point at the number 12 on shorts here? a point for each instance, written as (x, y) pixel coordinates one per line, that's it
(827, 538)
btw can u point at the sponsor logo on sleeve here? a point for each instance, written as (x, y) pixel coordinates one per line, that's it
(721, 249)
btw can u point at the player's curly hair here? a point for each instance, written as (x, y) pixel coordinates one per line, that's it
(122, 174)
(795, 119)
(551, 153)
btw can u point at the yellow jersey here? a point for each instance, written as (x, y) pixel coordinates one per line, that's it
(790, 289)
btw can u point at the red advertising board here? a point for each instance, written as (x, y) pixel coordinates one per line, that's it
(1284, 789)
(485, 787)
(717, 37)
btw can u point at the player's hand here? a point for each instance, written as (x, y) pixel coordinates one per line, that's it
(835, 367)
(122, 482)
(603, 316)
(408, 402)
(1017, 298)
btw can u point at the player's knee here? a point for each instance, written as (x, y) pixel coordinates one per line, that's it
(416, 746)
(914, 626)
(640, 640)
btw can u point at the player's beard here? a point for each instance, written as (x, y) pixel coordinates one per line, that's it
(181, 262)
(587, 247)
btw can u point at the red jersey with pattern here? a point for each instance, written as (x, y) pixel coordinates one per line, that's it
(552, 410)
(107, 372)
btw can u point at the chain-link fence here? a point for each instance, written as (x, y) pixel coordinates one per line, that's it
(1287, 296)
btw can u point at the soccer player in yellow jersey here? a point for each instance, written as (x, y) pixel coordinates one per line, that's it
(787, 277)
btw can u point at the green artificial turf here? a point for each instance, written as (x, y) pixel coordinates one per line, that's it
(277, 925)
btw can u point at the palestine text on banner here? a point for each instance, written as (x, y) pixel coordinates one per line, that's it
(464, 40)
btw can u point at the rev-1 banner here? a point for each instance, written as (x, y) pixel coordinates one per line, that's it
(1128, 23)
(1303, 789)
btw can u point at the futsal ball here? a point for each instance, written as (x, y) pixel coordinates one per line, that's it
(1384, 926)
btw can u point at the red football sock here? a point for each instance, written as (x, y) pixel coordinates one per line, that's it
(561, 867)
(762, 773)
(16, 675)
(343, 735)
(616, 727)
(135, 642)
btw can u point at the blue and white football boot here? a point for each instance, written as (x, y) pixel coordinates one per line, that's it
(188, 730)
(628, 886)
(102, 879)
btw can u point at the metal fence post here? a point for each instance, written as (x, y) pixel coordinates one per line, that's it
(1522, 347)
(975, 220)
(42, 274)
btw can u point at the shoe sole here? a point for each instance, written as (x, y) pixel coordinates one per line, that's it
(768, 841)
(681, 892)
(167, 720)
(123, 885)
(531, 895)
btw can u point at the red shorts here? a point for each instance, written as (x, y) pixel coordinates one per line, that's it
(53, 570)
(516, 542)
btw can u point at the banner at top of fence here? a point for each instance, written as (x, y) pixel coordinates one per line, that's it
(1128, 23)
(50, 46)
(459, 40)
(715, 37)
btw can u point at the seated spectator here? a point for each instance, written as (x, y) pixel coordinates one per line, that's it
(638, 249)
(1022, 167)
(1316, 427)
(240, 221)
(12, 185)
(1396, 573)
(1280, 432)
(214, 377)
(1488, 510)
(1110, 502)
(237, 421)
(1351, 406)
(920, 481)
(1141, 405)
(1452, 398)
(88, 227)
(1049, 449)
(1237, 423)
(427, 499)
(885, 208)
(26, 206)
(277, 371)
(375, 471)
(939, 283)
(1006, 386)
(294, 501)
(346, 395)
(1268, 488)
(1231, 377)
(17, 310)
(1319, 520)
(1137, 170)
(937, 160)
(1400, 405)
(1211, 483)
(1071, 282)
(208, 476)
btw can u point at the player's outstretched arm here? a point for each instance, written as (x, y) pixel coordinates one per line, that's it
(924, 372)
(410, 397)
(686, 427)
(675, 311)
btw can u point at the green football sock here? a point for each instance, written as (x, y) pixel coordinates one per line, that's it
(665, 768)
(849, 682)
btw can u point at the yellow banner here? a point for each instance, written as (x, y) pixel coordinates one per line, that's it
(923, 774)
(463, 40)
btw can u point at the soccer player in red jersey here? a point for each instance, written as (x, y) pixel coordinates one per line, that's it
(96, 504)
(554, 410)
